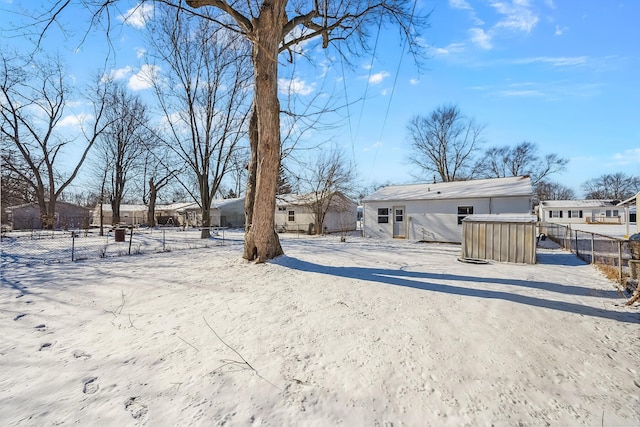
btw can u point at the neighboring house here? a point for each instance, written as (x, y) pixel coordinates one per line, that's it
(228, 213)
(294, 212)
(434, 212)
(129, 215)
(67, 215)
(581, 212)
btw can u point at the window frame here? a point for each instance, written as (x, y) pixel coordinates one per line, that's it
(463, 212)
(383, 218)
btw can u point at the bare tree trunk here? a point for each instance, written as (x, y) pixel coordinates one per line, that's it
(251, 170)
(151, 211)
(261, 241)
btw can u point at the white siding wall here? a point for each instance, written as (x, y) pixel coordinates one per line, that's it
(436, 220)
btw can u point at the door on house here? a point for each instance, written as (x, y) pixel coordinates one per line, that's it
(398, 222)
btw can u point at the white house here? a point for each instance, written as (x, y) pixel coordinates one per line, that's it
(294, 212)
(434, 212)
(581, 212)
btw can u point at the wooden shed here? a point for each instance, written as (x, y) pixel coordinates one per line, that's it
(500, 237)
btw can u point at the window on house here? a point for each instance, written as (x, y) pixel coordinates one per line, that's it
(292, 216)
(555, 214)
(383, 215)
(463, 211)
(282, 208)
(574, 214)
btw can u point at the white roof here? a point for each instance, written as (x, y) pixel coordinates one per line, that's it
(589, 203)
(176, 206)
(219, 203)
(504, 217)
(493, 187)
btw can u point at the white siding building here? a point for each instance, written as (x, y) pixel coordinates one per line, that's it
(581, 212)
(434, 212)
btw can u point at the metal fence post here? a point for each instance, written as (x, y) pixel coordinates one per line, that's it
(73, 245)
(163, 240)
(593, 249)
(130, 239)
(620, 261)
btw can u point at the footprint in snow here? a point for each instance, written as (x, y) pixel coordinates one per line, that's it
(81, 354)
(45, 345)
(90, 385)
(41, 327)
(135, 408)
(19, 316)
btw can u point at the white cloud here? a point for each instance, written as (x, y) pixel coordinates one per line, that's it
(521, 93)
(450, 49)
(560, 61)
(375, 145)
(120, 73)
(481, 38)
(550, 4)
(74, 120)
(460, 4)
(140, 52)
(294, 86)
(144, 78)
(414, 82)
(560, 30)
(628, 157)
(138, 16)
(517, 15)
(377, 78)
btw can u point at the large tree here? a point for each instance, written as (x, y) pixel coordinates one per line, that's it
(616, 186)
(519, 160)
(444, 143)
(34, 96)
(276, 26)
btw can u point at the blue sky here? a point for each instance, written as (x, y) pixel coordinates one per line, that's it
(562, 74)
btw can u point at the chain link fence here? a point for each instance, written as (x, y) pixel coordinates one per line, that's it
(54, 246)
(591, 247)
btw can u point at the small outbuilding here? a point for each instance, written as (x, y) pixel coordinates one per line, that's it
(500, 237)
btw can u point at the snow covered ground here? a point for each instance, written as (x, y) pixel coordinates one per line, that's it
(358, 333)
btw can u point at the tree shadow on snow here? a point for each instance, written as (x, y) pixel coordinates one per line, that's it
(420, 280)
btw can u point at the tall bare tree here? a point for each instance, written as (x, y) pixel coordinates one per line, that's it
(34, 96)
(445, 143)
(616, 186)
(519, 160)
(204, 96)
(123, 142)
(547, 190)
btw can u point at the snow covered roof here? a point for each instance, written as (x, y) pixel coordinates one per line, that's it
(589, 203)
(176, 206)
(505, 217)
(220, 203)
(493, 187)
